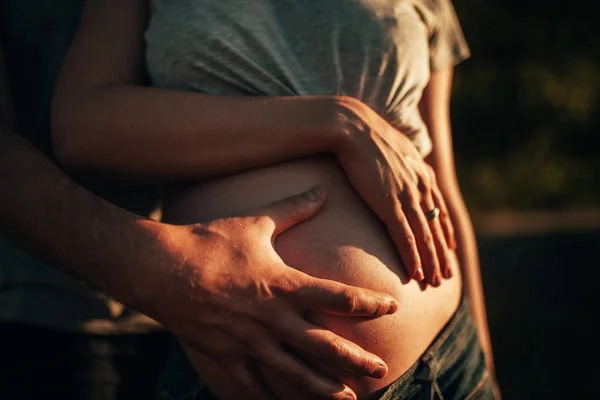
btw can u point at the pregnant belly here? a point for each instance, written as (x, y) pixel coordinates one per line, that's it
(344, 242)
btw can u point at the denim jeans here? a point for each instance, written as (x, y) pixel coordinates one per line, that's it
(452, 368)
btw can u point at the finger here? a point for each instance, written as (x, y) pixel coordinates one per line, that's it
(335, 298)
(286, 390)
(404, 239)
(291, 211)
(444, 217)
(211, 340)
(424, 238)
(307, 382)
(231, 382)
(441, 246)
(260, 345)
(277, 383)
(330, 349)
(247, 376)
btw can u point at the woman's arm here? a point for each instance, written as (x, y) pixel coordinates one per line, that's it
(175, 274)
(105, 120)
(435, 109)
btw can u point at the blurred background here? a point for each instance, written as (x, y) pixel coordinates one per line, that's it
(526, 122)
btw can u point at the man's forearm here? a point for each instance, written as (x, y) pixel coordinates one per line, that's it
(50, 216)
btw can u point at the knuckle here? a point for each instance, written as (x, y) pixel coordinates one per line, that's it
(424, 174)
(430, 173)
(435, 229)
(410, 240)
(427, 192)
(369, 365)
(397, 209)
(259, 223)
(428, 240)
(334, 348)
(379, 306)
(285, 284)
(280, 283)
(411, 206)
(424, 182)
(351, 300)
(413, 192)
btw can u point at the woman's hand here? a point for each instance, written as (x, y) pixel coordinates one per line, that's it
(232, 299)
(390, 175)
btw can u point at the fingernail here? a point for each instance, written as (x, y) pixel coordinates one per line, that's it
(380, 372)
(453, 243)
(448, 273)
(317, 193)
(419, 275)
(392, 307)
(436, 281)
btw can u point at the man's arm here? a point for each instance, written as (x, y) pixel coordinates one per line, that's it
(435, 109)
(182, 275)
(51, 216)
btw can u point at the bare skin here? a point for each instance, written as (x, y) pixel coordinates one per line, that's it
(345, 242)
(175, 274)
(322, 235)
(106, 121)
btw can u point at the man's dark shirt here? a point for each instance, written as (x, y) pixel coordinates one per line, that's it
(35, 36)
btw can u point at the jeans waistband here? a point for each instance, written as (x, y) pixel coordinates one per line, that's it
(445, 351)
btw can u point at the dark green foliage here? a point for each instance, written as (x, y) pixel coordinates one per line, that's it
(526, 110)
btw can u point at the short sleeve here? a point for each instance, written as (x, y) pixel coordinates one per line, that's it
(447, 44)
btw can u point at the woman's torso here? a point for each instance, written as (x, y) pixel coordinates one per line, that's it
(344, 242)
(374, 50)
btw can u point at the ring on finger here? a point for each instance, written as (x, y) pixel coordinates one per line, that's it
(432, 214)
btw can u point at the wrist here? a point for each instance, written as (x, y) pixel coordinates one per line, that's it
(348, 124)
(156, 259)
(318, 123)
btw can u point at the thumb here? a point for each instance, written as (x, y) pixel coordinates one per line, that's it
(292, 210)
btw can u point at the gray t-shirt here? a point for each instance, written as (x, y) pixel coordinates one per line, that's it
(378, 51)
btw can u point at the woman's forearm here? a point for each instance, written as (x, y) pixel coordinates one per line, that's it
(154, 134)
(466, 249)
(104, 118)
(435, 110)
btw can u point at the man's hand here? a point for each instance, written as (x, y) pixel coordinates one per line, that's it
(232, 299)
